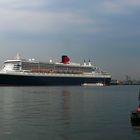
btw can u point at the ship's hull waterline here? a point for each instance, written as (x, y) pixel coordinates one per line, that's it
(44, 80)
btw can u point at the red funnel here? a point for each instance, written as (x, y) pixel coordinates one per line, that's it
(65, 59)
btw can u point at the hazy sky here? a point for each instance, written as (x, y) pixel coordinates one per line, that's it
(106, 31)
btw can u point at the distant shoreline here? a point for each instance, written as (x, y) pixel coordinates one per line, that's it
(130, 82)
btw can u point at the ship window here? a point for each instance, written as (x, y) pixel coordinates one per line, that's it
(16, 66)
(11, 66)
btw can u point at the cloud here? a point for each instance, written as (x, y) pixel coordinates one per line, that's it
(119, 7)
(27, 17)
(22, 3)
(109, 7)
(39, 22)
(132, 2)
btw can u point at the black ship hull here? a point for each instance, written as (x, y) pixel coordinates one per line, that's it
(42, 80)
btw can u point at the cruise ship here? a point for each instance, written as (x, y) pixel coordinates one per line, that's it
(29, 72)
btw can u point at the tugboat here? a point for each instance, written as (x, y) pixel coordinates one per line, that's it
(135, 115)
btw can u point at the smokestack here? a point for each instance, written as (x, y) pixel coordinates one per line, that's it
(65, 59)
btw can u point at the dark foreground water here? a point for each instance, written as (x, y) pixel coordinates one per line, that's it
(68, 113)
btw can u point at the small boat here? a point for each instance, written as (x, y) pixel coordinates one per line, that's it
(135, 115)
(93, 84)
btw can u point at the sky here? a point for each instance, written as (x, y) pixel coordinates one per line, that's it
(105, 31)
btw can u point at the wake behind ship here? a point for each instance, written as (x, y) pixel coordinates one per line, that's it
(23, 72)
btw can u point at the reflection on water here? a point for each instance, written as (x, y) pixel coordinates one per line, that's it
(67, 113)
(136, 130)
(66, 106)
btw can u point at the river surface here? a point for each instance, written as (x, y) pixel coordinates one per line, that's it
(68, 113)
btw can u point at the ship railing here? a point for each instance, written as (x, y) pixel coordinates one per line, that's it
(68, 75)
(56, 71)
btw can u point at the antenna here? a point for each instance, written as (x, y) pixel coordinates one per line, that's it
(17, 56)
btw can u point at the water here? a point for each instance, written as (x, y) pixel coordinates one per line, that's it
(68, 113)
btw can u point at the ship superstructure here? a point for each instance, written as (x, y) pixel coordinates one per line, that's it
(31, 72)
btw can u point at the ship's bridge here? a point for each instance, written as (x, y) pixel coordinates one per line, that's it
(11, 65)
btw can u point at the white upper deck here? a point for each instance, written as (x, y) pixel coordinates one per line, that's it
(23, 65)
